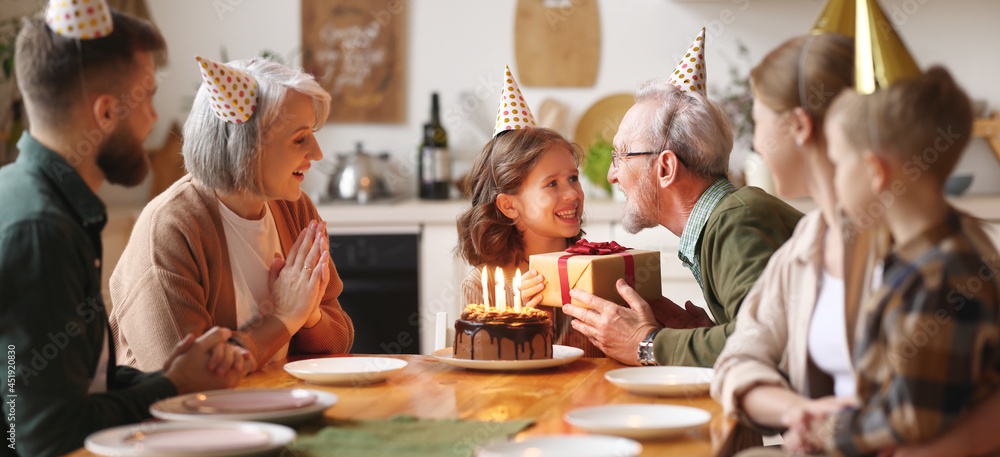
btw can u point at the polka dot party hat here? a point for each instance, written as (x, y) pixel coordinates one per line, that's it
(512, 113)
(689, 76)
(79, 19)
(233, 92)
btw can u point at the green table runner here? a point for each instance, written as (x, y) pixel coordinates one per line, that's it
(404, 436)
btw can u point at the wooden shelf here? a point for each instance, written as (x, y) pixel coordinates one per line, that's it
(989, 128)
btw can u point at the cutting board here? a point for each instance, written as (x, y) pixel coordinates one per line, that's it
(557, 42)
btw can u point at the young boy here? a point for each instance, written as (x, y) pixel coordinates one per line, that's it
(927, 344)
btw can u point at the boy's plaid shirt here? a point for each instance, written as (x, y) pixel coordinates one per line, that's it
(927, 345)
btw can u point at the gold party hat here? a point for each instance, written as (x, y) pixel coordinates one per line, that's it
(838, 16)
(881, 58)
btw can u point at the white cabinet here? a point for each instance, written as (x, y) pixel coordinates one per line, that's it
(441, 274)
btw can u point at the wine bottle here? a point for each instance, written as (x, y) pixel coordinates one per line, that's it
(435, 161)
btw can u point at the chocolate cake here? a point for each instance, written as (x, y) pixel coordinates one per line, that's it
(510, 335)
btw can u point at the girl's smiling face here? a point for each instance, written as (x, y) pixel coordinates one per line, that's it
(549, 202)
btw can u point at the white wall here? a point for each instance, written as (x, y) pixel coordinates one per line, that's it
(460, 46)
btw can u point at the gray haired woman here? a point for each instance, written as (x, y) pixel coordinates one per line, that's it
(236, 243)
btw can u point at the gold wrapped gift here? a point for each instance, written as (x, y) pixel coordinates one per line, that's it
(597, 274)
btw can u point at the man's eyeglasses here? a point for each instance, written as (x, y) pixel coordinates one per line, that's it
(616, 156)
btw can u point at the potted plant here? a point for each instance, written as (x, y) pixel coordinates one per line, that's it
(596, 163)
(746, 166)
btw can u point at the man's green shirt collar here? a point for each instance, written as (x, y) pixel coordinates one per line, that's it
(703, 208)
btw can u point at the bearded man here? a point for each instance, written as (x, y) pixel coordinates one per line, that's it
(88, 88)
(671, 159)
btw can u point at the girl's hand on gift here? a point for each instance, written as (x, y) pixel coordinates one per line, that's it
(532, 285)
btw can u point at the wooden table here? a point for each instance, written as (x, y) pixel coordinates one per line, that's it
(427, 388)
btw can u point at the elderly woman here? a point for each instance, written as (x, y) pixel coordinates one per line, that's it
(236, 243)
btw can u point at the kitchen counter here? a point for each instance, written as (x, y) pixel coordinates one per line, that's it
(413, 211)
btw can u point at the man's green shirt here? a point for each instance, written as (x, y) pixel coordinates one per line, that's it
(52, 319)
(739, 235)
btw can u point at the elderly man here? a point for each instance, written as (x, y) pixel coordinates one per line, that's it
(89, 103)
(671, 158)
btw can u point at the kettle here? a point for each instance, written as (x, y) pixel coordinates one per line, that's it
(359, 176)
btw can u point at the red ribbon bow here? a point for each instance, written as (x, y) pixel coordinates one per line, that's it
(590, 248)
(585, 247)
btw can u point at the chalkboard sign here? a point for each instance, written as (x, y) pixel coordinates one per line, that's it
(356, 50)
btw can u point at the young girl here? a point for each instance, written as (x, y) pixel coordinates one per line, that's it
(526, 200)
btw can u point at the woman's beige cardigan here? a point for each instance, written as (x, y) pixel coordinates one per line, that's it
(174, 278)
(770, 343)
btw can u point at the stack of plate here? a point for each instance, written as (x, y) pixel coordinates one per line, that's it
(282, 406)
(190, 439)
(217, 423)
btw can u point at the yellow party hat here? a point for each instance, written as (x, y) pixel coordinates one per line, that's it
(233, 92)
(79, 19)
(881, 58)
(838, 16)
(689, 76)
(512, 112)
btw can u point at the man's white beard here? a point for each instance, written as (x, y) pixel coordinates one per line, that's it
(642, 209)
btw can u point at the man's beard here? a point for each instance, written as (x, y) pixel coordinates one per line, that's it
(642, 209)
(122, 158)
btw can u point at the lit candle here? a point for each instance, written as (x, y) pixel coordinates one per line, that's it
(486, 291)
(517, 290)
(501, 292)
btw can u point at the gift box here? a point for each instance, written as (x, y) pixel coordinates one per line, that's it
(595, 267)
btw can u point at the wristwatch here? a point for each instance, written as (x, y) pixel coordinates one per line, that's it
(646, 356)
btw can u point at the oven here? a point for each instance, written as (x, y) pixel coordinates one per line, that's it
(378, 267)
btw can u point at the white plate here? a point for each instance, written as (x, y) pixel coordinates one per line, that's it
(282, 406)
(561, 355)
(345, 370)
(638, 421)
(563, 446)
(667, 381)
(190, 439)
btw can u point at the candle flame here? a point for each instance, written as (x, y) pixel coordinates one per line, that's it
(486, 291)
(501, 301)
(517, 290)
